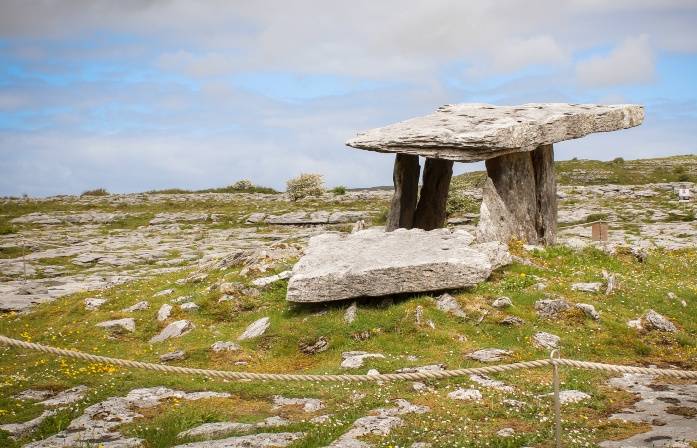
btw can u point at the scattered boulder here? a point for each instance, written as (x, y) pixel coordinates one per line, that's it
(18, 430)
(548, 308)
(140, 306)
(256, 329)
(512, 320)
(448, 304)
(173, 356)
(128, 324)
(659, 322)
(589, 310)
(320, 346)
(174, 330)
(419, 314)
(502, 302)
(354, 359)
(165, 292)
(506, 432)
(93, 304)
(636, 323)
(489, 354)
(428, 368)
(66, 397)
(231, 288)
(266, 281)
(350, 314)
(490, 383)
(612, 283)
(164, 312)
(222, 346)
(465, 395)
(189, 306)
(586, 287)
(545, 340)
(308, 404)
(377, 263)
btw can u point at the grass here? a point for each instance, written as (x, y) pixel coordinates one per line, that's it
(95, 192)
(387, 329)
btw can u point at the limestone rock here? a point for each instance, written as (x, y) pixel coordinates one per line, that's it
(222, 346)
(18, 430)
(256, 329)
(308, 404)
(189, 306)
(231, 288)
(375, 263)
(490, 383)
(545, 340)
(659, 322)
(174, 330)
(551, 307)
(428, 368)
(502, 302)
(476, 132)
(217, 429)
(165, 292)
(512, 320)
(448, 304)
(128, 324)
(350, 314)
(164, 312)
(496, 251)
(589, 310)
(489, 354)
(465, 395)
(506, 432)
(93, 304)
(173, 356)
(266, 281)
(319, 346)
(354, 359)
(586, 287)
(66, 397)
(140, 306)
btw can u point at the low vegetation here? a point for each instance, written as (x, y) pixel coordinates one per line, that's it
(307, 184)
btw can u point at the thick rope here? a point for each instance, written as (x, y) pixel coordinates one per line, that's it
(686, 374)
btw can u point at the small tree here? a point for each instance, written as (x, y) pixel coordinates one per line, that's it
(242, 185)
(309, 184)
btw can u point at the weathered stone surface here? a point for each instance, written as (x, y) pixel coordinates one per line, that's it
(256, 329)
(586, 287)
(308, 404)
(447, 303)
(93, 303)
(376, 263)
(512, 320)
(223, 346)
(475, 132)
(18, 430)
(266, 281)
(173, 356)
(491, 383)
(465, 395)
(589, 310)
(406, 186)
(428, 368)
(140, 306)
(174, 330)
(164, 292)
(189, 306)
(430, 211)
(350, 314)
(489, 354)
(128, 324)
(551, 307)
(321, 345)
(659, 322)
(545, 340)
(570, 396)
(502, 302)
(354, 359)
(164, 312)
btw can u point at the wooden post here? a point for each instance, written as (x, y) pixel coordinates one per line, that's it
(406, 189)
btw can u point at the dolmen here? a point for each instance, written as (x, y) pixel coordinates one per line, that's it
(519, 194)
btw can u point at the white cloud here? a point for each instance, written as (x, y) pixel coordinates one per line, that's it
(631, 62)
(519, 54)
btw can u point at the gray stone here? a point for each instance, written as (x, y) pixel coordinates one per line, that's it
(659, 322)
(497, 252)
(428, 368)
(548, 308)
(545, 340)
(266, 281)
(164, 312)
(502, 302)
(173, 356)
(140, 306)
(448, 304)
(217, 429)
(350, 314)
(476, 132)
(18, 430)
(589, 310)
(586, 287)
(256, 218)
(256, 329)
(354, 359)
(490, 383)
(222, 346)
(465, 395)
(321, 345)
(128, 324)
(506, 432)
(189, 306)
(174, 330)
(231, 288)
(430, 211)
(489, 354)
(66, 397)
(165, 292)
(512, 320)
(375, 263)
(31, 289)
(406, 184)
(93, 304)
(308, 404)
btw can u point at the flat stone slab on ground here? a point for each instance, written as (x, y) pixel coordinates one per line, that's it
(174, 330)
(377, 263)
(256, 329)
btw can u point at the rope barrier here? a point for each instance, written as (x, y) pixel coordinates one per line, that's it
(442, 374)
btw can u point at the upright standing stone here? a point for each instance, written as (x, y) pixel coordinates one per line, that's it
(406, 191)
(430, 212)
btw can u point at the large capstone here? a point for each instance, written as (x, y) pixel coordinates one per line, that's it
(375, 263)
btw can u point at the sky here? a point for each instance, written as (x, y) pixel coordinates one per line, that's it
(138, 95)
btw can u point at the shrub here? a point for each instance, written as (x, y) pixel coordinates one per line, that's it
(305, 185)
(338, 191)
(95, 192)
(242, 185)
(458, 201)
(618, 160)
(7, 229)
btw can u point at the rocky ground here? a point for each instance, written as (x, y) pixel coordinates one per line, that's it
(85, 243)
